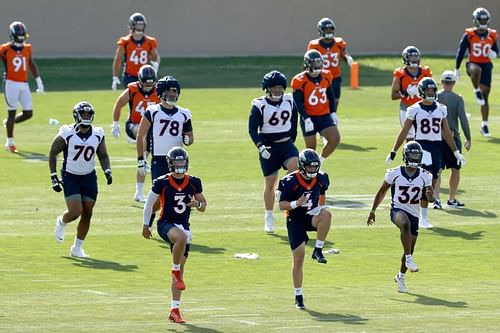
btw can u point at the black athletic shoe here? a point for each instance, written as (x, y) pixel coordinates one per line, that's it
(299, 302)
(318, 256)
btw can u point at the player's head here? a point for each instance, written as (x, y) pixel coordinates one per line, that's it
(411, 56)
(18, 33)
(313, 62)
(168, 89)
(83, 113)
(412, 154)
(427, 89)
(147, 77)
(274, 83)
(448, 77)
(326, 28)
(309, 163)
(481, 17)
(137, 23)
(178, 160)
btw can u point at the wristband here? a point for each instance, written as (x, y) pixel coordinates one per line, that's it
(293, 204)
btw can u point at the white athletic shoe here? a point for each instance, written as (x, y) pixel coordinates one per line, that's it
(77, 252)
(401, 283)
(59, 231)
(424, 223)
(411, 265)
(269, 224)
(139, 197)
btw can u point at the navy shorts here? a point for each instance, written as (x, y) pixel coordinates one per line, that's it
(159, 166)
(320, 123)
(280, 153)
(486, 70)
(449, 160)
(413, 220)
(435, 148)
(127, 78)
(337, 82)
(163, 229)
(297, 230)
(84, 185)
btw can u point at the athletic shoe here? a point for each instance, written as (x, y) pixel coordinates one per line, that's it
(424, 224)
(455, 203)
(479, 97)
(175, 316)
(59, 231)
(11, 148)
(299, 302)
(400, 280)
(179, 283)
(77, 252)
(411, 265)
(139, 197)
(318, 256)
(269, 224)
(437, 204)
(485, 131)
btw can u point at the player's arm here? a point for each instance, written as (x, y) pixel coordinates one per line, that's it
(34, 68)
(57, 146)
(254, 123)
(289, 205)
(298, 99)
(187, 133)
(154, 57)
(199, 202)
(379, 197)
(331, 99)
(102, 154)
(396, 89)
(122, 100)
(148, 210)
(462, 48)
(117, 60)
(294, 121)
(142, 133)
(402, 134)
(429, 194)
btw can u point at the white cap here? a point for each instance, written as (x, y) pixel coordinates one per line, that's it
(448, 76)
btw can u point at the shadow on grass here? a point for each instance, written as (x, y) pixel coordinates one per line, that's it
(192, 328)
(470, 212)
(427, 300)
(346, 204)
(33, 156)
(194, 247)
(284, 240)
(493, 140)
(101, 264)
(347, 146)
(459, 234)
(344, 318)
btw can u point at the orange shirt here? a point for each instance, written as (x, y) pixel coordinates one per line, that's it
(136, 53)
(406, 79)
(331, 55)
(138, 101)
(316, 102)
(479, 47)
(16, 61)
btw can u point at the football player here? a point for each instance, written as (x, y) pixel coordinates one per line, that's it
(80, 142)
(178, 193)
(428, 117)
(303, 197)
(409, 183)
(315, 100)
(17, 57)
(272, 126)
(137, 49)
(481, 43)
(333, 49)
(139, 95)
(405, 82)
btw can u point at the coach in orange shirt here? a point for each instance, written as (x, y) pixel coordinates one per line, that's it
(17, 57)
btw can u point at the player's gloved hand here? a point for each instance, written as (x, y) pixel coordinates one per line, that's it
(141, 166)
(460, 158)
(349, 60)
(335, 119)
(308, 125)
(457, 73)
(115, 83)
(412, 90)
(185, 139)
(115, 129)
(390, 157)
(39, 85)
(492, 54)
(109, 176)
(156, 65)
(264, 152)
(56, 182)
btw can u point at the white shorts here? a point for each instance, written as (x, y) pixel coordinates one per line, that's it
(402, 118)
(17, 93)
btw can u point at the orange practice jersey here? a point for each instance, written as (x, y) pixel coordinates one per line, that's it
(331, 56)
(316, 102)
(138, 102)
(479, 47)
(17, 63)
(136, 53)
(406, 79)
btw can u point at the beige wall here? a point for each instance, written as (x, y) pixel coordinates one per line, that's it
(242, 27)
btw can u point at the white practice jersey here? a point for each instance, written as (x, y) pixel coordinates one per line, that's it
(167, 128)
(427, 124)
(407, 191)
(275, 119)
(80, 152)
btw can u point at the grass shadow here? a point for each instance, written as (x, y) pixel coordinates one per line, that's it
(349, 319)
(346, 204)
(432, 301)
(193, 328)
(445, 190)
(33, 156)
(348, 146)
(459, 234)
(195, 247)
(101, 264)
(470, 212)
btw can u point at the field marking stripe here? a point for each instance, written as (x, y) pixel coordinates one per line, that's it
(96, 292)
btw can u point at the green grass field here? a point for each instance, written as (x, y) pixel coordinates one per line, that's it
(125, 286)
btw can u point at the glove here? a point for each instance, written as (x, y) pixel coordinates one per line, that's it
(156, 65)
(412, 90)
(115, 83)
(109, 176)
(349, 60)
(56, 182)
(308, 125)
(460, 158)
(457, 73)
(39, 85)
(141, 166)
(264, 152)
(115, 129)
(185, 139)
(335, 118)
(492, 54)
(390, 157)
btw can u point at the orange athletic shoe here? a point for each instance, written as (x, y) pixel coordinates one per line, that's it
(11, 148)
(179, 283)
(175, 316)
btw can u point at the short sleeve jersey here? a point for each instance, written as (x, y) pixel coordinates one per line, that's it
(275, 119)
(16, 61)
(331, 54)
(316, 101)
(136, 52)
(427, 120)
(139, 101)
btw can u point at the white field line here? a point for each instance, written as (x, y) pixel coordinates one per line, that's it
(82, 285)
(96, 292)
(248, 322)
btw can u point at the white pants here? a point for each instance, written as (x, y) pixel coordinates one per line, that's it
(402, 118)
(17, 93)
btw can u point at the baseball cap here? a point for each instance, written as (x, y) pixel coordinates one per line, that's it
(448, 76)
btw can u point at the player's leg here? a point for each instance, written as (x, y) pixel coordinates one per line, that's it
(269, 196)
(402, 221)
(454, 181)
(322, 224)
(82, 228)
(474, 71)
(175, 314)
(332, 136)
(310, 141)
(437, 189)
(178, 239)
(26, 103)
(11, 94)
(485, 111)
(298, 255)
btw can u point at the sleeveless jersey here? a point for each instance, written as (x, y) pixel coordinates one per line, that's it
(427, 124)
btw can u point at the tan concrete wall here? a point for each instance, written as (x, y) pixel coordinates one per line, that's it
(242, 27)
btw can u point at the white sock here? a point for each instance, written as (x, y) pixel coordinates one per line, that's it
(424, 212)
(176, 304)
(319, 244)
(139, 187)
(298, 291)
(78, 242)
(408, 257)
(269, 212)
(484, 123)
(10, 141)
(176, 267)
(401, 275)
(476, 90)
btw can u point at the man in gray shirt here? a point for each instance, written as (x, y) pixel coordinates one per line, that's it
(456, 112)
